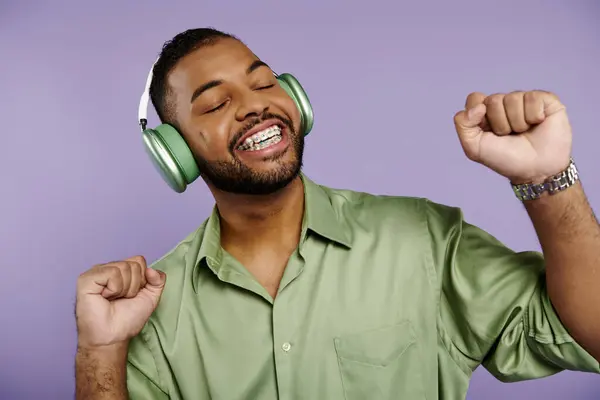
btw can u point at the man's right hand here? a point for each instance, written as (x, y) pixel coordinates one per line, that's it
(115, 300)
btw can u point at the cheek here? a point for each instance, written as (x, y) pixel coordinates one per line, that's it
(291, 110)
(210, 142)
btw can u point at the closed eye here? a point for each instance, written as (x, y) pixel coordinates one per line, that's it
(217, 108)
(265, 87)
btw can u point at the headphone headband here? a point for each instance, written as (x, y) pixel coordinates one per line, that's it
(145, 100)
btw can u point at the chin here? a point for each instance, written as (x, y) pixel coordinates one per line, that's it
(253, 181)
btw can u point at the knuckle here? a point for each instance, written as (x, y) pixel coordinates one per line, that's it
(139, 259)
(111, 265)
(113, 271)
(136, 269)
(512, 97)
(475, 96)
(129, 265)
(95, 270)
(494, 99)
(551, 95)
(123, 266)
(530, 97)
(88, 275)
(81, 281)
(82, 276)
(90, 271)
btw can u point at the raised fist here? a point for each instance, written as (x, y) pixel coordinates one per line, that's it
(524, 136)
(115, 300)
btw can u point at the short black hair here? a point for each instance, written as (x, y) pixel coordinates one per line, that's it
(172, 51)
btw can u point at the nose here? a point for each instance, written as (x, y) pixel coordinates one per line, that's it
(252, 104)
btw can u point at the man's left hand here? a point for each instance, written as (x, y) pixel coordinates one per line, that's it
(524, 136)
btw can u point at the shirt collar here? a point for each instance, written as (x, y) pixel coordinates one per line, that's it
(320, 217)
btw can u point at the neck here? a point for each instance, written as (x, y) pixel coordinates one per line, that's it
(249, 221)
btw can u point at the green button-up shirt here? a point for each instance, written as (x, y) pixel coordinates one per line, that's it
(385, 297)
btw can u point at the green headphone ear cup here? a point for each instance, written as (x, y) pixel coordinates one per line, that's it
(171, 156)
(297, 93)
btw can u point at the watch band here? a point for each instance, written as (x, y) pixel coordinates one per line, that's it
(552, 185)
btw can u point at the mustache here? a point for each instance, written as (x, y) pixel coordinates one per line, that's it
(251, 124)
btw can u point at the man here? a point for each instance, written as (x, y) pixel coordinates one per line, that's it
(292, 290)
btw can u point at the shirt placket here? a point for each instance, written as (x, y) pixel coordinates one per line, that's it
(284, 329)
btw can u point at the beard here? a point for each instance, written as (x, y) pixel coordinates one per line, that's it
(236, 177)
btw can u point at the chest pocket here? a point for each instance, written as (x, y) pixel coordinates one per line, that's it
(381, 364)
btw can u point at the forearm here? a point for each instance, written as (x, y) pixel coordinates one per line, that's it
(101, 374)
(569, 234)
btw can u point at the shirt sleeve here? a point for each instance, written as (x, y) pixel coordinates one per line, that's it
(494, 306)
(143, 381)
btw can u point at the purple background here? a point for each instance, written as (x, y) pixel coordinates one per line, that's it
(385, 79)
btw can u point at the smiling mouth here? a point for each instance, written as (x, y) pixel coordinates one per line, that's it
(261, 140)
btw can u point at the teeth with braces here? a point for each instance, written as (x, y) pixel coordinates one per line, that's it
(262, 139)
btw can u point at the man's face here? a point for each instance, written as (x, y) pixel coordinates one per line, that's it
(240, 124)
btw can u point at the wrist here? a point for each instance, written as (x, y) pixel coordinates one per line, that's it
(536, 188)
(112, 352)
(540, 178)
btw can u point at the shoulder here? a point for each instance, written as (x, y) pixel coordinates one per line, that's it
(375, 209)
(172, 261)
(175, 260)
(178, 264)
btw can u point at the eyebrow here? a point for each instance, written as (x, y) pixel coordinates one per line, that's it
(255, 65)
(211, 84)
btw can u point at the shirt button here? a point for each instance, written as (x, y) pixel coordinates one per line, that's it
(286, 347)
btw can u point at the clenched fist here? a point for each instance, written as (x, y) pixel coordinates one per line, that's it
(524, 136)
(115, 300)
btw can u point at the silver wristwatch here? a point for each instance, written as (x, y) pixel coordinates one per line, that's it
(553, 185)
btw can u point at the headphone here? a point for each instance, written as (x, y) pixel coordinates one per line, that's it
(170, 154)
